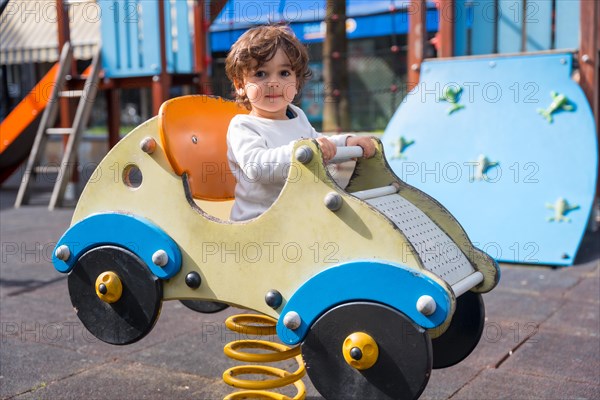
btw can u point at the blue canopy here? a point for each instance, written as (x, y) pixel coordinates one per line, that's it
(365, 19)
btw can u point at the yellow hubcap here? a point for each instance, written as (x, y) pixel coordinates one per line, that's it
(109, 287)
(360, 350)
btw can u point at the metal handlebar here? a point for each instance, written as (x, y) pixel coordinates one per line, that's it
(345, 153)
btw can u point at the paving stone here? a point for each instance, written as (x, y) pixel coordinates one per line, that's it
(503, 305)
(46, 303)
(118, 380)
(588, 268)
(552, 282)
(27, 239)
(587, 290)
(510, 319)
(558, 355)
(26, 365)
(506, 384)
(576, 319)
(34, 223)
(499, 338)
(445, 382)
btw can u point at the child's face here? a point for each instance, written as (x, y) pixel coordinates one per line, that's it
(270, 88)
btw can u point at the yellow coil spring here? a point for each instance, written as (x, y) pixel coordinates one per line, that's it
(261, 325)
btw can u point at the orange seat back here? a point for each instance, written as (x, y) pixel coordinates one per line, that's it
(193, 131)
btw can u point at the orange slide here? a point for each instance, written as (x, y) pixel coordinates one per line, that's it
(18, 129)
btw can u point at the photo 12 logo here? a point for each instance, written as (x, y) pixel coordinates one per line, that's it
(47, 11)
(269, 252)
(480, 169)
(47, 332)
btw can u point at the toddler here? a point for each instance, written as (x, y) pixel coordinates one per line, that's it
(268, 66)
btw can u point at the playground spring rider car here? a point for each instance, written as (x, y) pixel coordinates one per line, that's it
(371, 286)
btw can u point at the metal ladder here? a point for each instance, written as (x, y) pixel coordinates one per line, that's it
(45, 130)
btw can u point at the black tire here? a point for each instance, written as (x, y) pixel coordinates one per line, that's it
(134, 314)
(403, 366)
(205, 307)
(463, 334)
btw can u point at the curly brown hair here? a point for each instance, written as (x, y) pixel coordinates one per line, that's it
(260, 44)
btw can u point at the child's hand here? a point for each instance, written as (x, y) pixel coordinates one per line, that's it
(366, 142)
(328, 148)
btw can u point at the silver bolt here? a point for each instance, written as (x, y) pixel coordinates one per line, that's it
(62, 252)
(148, 145)
(333, 201)
(304, 154)
(292, 320)
(414, 67)
(194, 139)
(160, 258)
(563, 61)
(426, 305)
(586, 58)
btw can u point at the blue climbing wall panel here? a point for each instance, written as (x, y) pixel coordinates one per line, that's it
(497, 164)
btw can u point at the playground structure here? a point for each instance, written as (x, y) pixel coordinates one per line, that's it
(129, 57)
(148, 237)
(531, 177)
(513, 170)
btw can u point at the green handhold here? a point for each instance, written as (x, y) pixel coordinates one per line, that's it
(400, 145)
(561, 208)
(559, 102)
(483, 165)
(452, 96)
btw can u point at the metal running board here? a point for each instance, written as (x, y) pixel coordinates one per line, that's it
(439, 254)
(74, 133)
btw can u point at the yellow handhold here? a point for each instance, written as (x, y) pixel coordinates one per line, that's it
(109, 287)
(360, 350)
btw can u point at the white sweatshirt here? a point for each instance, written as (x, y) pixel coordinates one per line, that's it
(259, 151)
